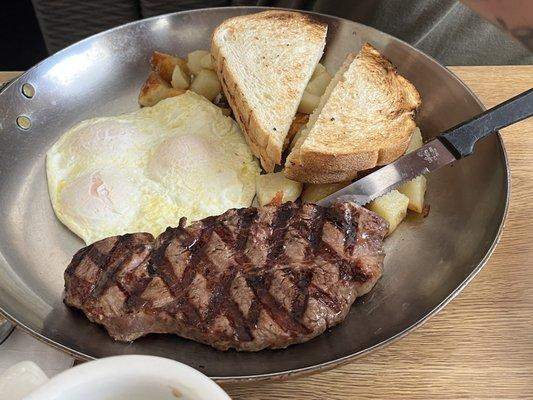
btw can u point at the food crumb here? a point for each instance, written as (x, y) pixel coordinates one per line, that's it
(332, 119)
(176, 393)
(278, 199)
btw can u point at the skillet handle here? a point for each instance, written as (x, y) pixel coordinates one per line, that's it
(461, 139)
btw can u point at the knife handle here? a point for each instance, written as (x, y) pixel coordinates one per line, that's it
(461, 139)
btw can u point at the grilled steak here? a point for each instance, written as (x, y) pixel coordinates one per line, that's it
(249, 279)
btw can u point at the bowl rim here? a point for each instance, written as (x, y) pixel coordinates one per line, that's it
(126, 366)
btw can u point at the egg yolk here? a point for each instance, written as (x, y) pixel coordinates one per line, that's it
(181, 156)
(101, 199)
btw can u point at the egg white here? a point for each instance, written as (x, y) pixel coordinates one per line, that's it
(141, 172)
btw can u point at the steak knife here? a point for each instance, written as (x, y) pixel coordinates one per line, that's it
(452, 145)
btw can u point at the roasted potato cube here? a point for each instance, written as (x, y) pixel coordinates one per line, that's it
(416, 141)
(194, 60)
(164, 64)
(269, 185)
(315, 192)
(156, 89)
(319, 69)
(392, 207)
(206, 83)
(318, 84)
(415, 190)
(298, 123)
(180, 79)
(308, 103)
(207, 62)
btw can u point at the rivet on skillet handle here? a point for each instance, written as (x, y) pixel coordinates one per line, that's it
(23, 122)
(28, 90)
(460, 139)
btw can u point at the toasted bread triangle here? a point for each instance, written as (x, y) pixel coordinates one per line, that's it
(264, 62)
(364, 119)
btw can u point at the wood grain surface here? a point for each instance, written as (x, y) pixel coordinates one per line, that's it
(481, 344)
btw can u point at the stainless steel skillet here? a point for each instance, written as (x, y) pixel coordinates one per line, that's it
(429, 260)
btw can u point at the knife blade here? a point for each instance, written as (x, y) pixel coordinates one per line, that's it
(427, 158)
(450, 146)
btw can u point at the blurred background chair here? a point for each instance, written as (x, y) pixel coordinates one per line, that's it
(445, 29)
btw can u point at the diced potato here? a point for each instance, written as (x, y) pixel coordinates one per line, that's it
(156, 89)
(206, 83)
(415, 191)
(392, 207)
(164, 64)
(319, 69)
(180, 79)
(194, 60)
(207, 62)
(298, 123)
(308, 103)
(268, 185)
(315, 192)
(416, 141)
(318, 84)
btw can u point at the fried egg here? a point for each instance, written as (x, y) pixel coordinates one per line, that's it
(143, 171)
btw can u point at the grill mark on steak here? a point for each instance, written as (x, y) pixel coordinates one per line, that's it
(347, 271)
(134, 300)
(280, 226)
(345, 224)
(260, 284)
(158, 265)
(113, 261)
(79, 256)
(254, 311)
(196, 249)
(314, 235)
(98, 258)
(165, 270)
(324, 297)
(223, 302)
(299, 302)
(221, 298)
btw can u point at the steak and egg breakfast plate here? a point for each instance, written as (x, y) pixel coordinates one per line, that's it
(194, 154)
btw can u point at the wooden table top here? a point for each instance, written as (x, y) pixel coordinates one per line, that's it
(481, 344)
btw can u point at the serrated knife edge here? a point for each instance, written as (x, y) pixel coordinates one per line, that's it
(427, 158)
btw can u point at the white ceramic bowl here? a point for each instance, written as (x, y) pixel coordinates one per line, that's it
(130, 378)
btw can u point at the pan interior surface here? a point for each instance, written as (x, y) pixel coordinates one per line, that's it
(428, 259)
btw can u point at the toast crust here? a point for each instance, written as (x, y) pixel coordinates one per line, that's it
(266, 141)
(350, 135)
